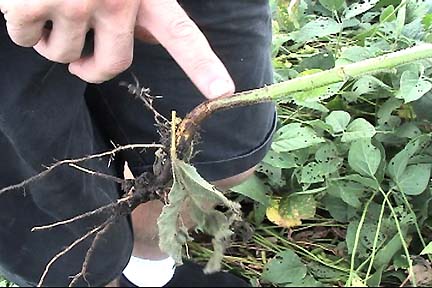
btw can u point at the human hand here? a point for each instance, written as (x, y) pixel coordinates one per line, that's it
(112, 20)
(167, 23)
(114, 23)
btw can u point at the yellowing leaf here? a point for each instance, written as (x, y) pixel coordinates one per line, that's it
(288, 212)
(275, 217)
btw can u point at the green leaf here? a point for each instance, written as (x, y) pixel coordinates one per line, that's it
(274, 174)
(386, 110)
(316, 29)
(314, 172)
(338, 120)
(280, 160)
(427, 21)
(337, 208)
(388, 14)
(253, 188)
(326, 153)
(408, 130)
(308, 281)
(285, 268)
(415, 179)
(349, 192)
(189, 188)
(364, 158)
(385, 254)
(358, 129)
(398, 164)
(412, 87)
(427, 249)
(322, 61)
(353, 54)
(293, 137)
(332, 5)
(368, 84)
(365, 181)
(359, 8)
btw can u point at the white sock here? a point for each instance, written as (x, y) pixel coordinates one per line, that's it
(149, 273)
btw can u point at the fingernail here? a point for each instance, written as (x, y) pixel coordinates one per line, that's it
(221, 87)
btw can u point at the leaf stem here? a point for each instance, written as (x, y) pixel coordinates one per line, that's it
(357, 239)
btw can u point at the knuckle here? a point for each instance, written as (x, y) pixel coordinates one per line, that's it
(77, 10)
(182, 28)
(56, 55)
(115, 6)
(201, 65)
(113, 68)
(19, 36)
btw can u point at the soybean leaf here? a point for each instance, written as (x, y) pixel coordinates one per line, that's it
(349, 192)
(398, 164)
(322, 61)
(427, 249)
(365, 181)
(286, 267)
(415, 179)
(332, 5)
(316, 29)
(338, 120)
(326, 153)
(190, 188)
(388, 14)
(354, 54)
(253, 188)
(364, 158)
(289, 211)
(359, 8)
(274, 174)
(308, 281)
(412, 87)
(337, 208)
(385, 254)
(280, 160)
(368, 84)
(388, 108)
(408, 130)
(358, 129)
(293, 137)
(314, 172)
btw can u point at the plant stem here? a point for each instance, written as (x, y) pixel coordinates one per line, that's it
(357, 240)
(284, 90)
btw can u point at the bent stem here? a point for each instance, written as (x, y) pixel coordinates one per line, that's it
(284, 90)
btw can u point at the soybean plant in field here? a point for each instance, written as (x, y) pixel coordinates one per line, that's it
(355, 154)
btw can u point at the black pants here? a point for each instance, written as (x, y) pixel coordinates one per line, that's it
(47, 115)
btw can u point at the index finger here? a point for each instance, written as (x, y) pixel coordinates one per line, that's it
(182, 38)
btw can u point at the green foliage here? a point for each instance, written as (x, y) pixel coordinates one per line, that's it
(360, 152)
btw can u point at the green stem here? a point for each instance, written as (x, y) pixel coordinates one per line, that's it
(284, 90)
(374, 246)
(303, 250)
(401, 236)
(357, 240)
(415, 223)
